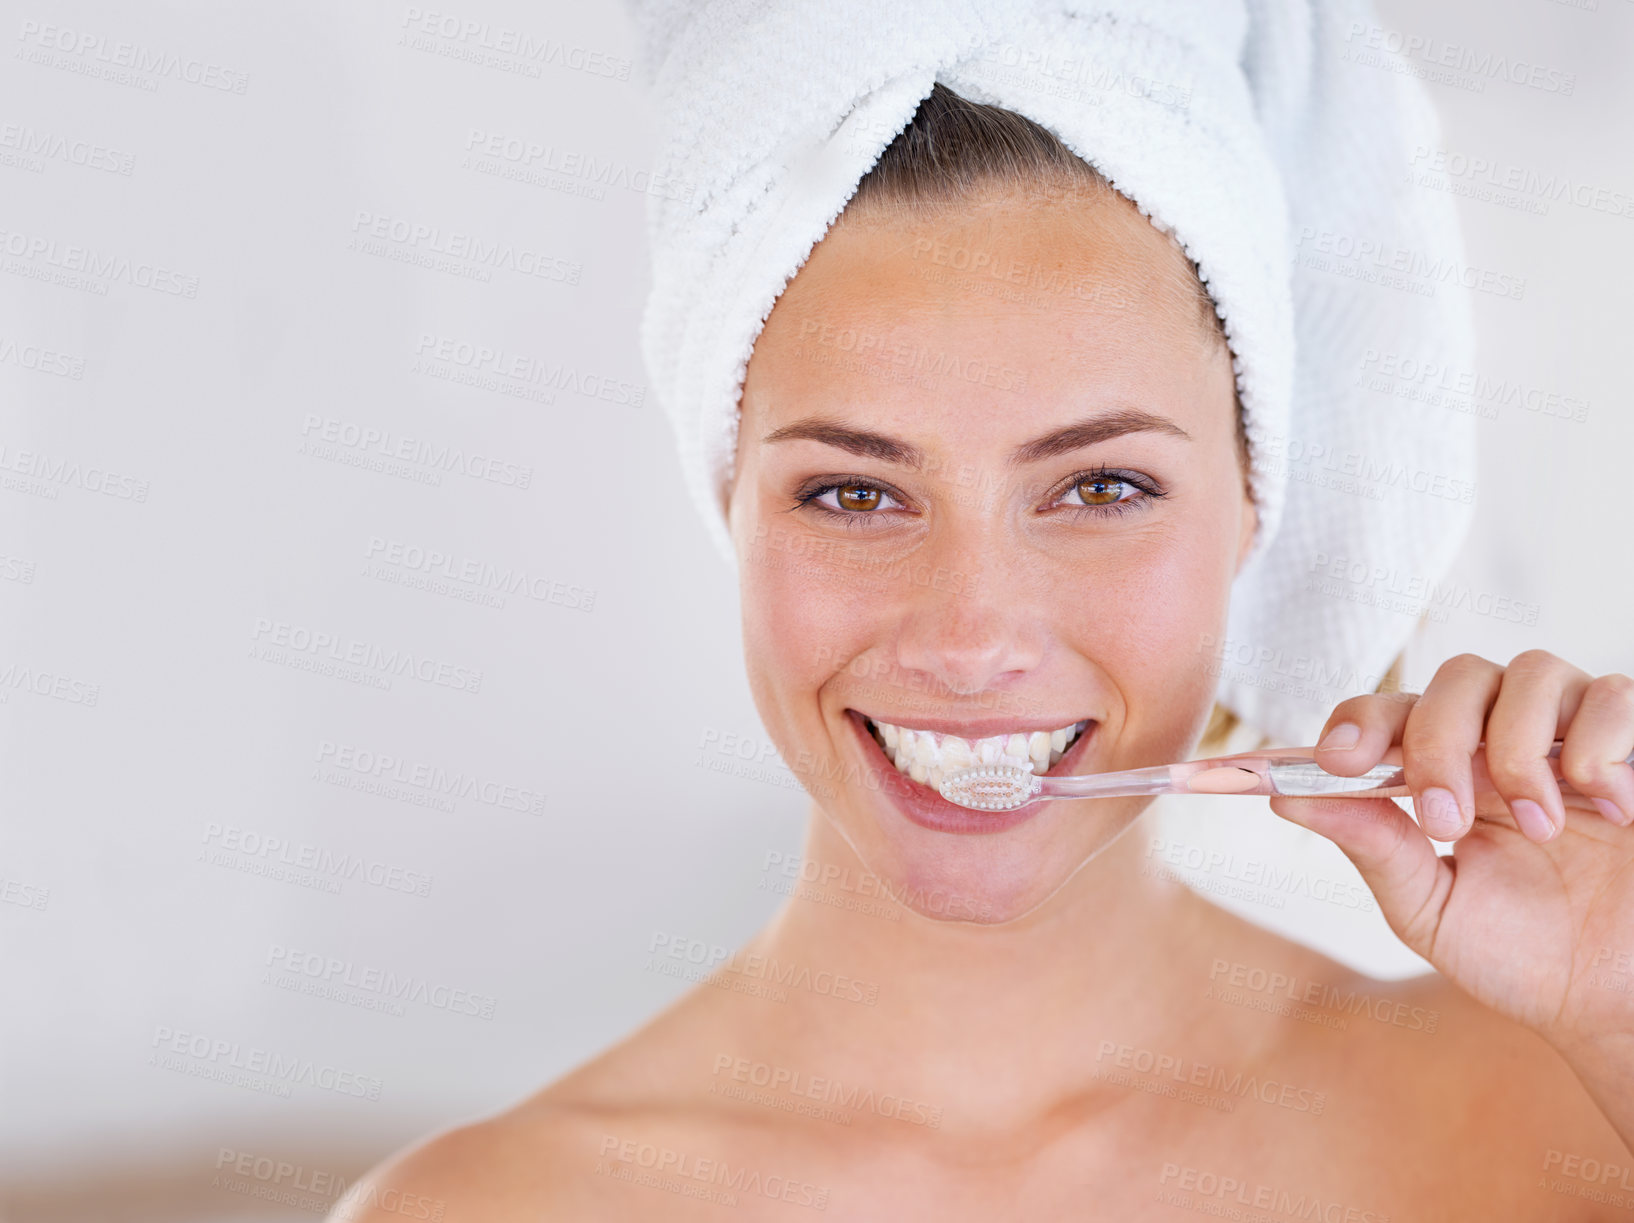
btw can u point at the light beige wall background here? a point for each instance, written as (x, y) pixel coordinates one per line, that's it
(242, 311)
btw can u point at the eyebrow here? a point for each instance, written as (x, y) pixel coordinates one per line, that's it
(871, 445)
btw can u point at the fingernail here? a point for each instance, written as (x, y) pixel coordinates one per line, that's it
(1610, 810)
(1346, 734)
(1533, 819)
(1442, 819)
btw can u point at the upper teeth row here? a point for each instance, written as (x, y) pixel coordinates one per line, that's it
(927, 756)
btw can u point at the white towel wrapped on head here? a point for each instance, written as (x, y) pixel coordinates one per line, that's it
(1242, 127)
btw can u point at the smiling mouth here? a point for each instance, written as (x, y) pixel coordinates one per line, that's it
(930, 756)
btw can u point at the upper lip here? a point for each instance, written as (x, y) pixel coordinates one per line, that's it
(975, 728)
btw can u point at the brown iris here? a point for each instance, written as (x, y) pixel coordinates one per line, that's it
(856, 497)
(1108, 487)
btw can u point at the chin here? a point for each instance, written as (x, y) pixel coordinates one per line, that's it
(982, 880)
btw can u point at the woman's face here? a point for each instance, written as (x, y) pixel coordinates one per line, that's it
(987, 484)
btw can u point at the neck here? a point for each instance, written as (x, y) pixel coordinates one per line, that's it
(984, 1021)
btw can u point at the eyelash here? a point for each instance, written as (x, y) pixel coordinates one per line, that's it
(1148, 491)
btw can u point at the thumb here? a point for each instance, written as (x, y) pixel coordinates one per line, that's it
(1408, 878)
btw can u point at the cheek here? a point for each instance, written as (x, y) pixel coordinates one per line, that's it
(804, 615)
(1151, 613)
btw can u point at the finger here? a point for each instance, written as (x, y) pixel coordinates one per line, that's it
(1443, 730)
(1598, 742)
(1538, 696)
(1408, 878)
(1360, 730)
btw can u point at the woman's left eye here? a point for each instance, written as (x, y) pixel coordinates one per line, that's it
(1106, 492)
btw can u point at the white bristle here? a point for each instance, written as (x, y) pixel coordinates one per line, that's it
(989, 788)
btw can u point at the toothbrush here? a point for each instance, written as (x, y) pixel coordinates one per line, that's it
(1280, 770)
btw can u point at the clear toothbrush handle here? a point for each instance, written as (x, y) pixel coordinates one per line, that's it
(1291, 771)
(1159, 779)
(1304, 777)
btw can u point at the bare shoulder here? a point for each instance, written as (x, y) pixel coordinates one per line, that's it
(1469, 1109)
(1512, 1073)
(578, 1144)
(534, 1157)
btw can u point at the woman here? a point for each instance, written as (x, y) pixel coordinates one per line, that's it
(1026, 1023)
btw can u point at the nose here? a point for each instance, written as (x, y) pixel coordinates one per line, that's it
(965, 619)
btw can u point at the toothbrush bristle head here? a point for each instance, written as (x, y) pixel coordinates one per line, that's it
(989, 788)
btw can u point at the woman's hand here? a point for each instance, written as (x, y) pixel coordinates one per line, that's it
(1533, 912)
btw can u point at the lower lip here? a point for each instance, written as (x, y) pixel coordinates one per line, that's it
(925, 807)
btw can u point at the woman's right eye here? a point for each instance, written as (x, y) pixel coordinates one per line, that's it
(851, 498)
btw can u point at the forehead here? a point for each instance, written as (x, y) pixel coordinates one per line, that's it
(1016, 294)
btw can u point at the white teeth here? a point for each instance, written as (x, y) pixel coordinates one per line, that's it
(956, 754)
(928, 757)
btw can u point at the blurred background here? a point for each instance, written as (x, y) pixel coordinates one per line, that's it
(342, 549)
